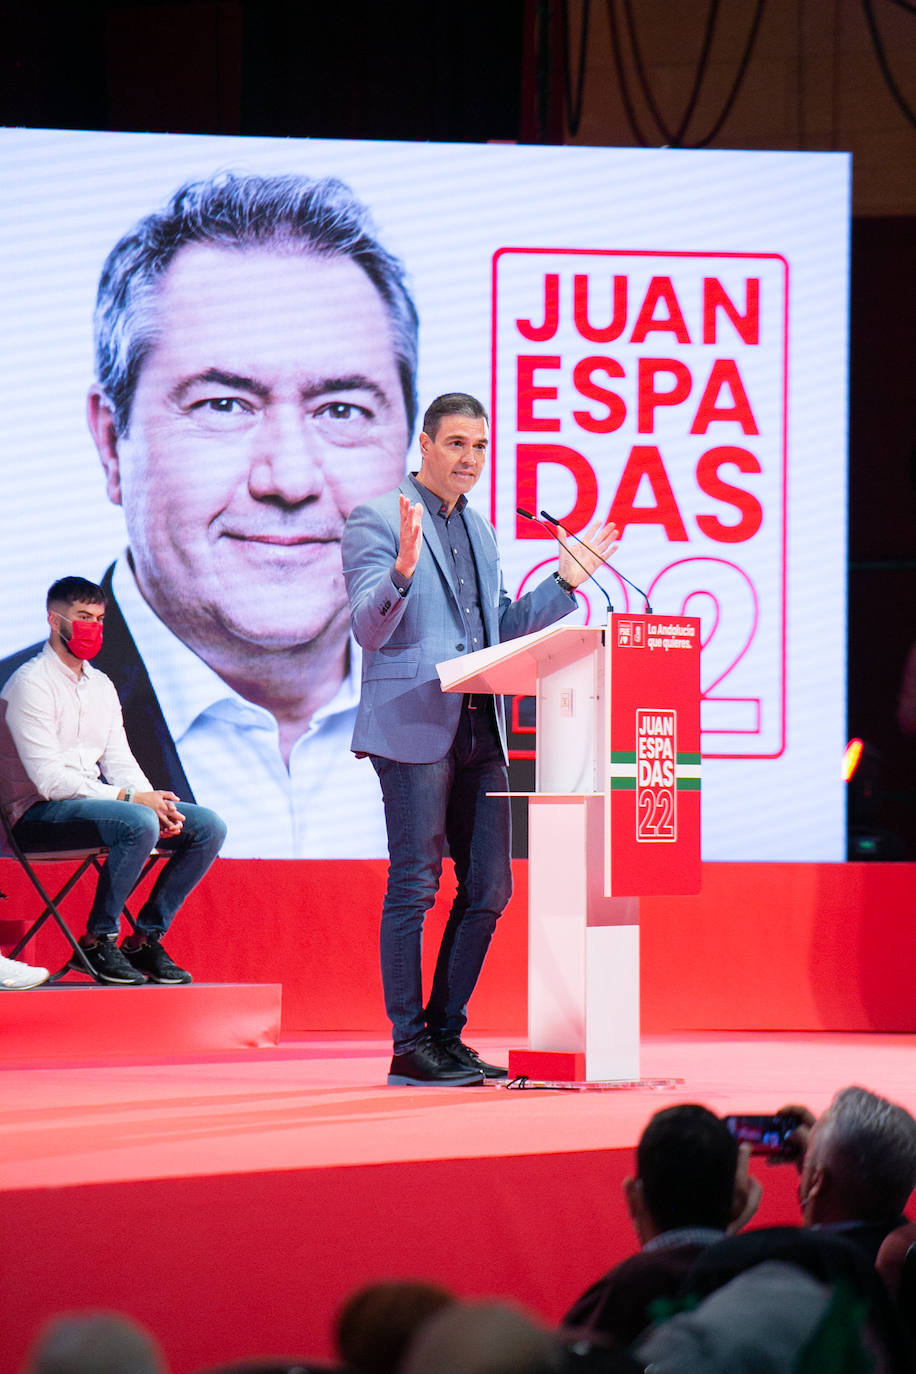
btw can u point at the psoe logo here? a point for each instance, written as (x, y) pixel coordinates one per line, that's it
(631, 634)
(656, 778)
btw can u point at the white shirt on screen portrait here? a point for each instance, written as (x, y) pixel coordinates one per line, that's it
(327, 805)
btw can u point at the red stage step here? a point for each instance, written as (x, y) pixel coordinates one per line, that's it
(85, 1021)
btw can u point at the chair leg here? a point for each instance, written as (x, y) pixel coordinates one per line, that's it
(77, 963)
(51, 911)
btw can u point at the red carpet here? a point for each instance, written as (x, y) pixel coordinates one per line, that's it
(231, 1200)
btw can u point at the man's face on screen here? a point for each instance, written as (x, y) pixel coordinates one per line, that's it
(268, 407)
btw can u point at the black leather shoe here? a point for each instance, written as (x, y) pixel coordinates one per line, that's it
(429, 1065)
(470, 1059)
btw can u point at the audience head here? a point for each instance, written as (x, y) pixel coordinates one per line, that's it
(860, 1161)
(376, 1324)
(95, 1343)
(483, 1338)
(686, 1163)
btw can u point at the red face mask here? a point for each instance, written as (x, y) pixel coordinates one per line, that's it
(85, 637)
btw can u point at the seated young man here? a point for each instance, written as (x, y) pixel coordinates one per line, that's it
(68, 779)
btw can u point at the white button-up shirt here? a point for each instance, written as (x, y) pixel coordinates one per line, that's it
(64, 737)
(326, 805)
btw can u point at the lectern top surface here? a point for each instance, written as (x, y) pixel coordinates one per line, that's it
(514, 667)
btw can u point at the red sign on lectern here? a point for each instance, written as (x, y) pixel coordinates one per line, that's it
(653, 765)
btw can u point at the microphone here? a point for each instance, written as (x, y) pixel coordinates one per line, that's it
(526, 515)
(550, 520)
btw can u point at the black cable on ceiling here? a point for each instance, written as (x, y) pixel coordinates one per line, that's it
(882, 59)
(624, 89)
(542, 67)
(905, 5)
(739, 78)
(700, 72)
(672, 138)
(641, 73)
(574, 100)
(675, 139)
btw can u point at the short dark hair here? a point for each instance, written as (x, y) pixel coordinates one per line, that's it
(69, 590)
(686, 1160)
(374, 1328)
(452, 403)
(291, 213)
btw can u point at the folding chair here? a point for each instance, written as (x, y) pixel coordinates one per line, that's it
(83, 860)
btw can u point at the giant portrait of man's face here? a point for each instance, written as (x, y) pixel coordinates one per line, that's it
(255, 357)
(268, 406)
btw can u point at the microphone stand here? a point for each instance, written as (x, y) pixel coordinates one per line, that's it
(550, 521)
(526, 515)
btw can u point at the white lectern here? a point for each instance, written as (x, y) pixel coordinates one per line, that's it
(609, 771)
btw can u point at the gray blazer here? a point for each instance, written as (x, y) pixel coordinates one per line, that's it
(403, 712)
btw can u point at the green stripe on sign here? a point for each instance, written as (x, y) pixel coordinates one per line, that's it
(623, 784)
(623, 756)
(688, 784)
(688, 758)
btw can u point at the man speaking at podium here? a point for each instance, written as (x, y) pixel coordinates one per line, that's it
(424, 583)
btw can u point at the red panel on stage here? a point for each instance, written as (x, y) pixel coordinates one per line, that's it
(547, 1066)
(87, 1021)
(768, 946)
(783, 947)
(654, 771)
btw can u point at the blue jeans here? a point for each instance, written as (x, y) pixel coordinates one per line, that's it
(129, 831)
(425, 805)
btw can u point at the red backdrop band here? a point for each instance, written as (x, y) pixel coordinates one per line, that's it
(761, 947)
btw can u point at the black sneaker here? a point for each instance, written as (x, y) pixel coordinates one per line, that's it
(470, 1059)
(430, 1065)
(150, 958)
(107, 962)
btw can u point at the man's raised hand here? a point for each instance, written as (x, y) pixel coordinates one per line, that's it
(584, 555)
(411, 536)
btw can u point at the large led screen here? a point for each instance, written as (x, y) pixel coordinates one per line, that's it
(659, 335)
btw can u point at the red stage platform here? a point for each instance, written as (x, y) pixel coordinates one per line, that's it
(162, 1154)
(74, 1020)
(231, 1200)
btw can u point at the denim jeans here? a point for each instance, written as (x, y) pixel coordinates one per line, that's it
(130, 831)
(425, 805)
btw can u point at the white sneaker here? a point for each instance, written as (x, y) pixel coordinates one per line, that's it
(16, 975)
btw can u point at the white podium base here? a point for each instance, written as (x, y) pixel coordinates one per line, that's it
(583, 960)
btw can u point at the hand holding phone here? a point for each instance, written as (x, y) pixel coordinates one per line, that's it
(766, 1135)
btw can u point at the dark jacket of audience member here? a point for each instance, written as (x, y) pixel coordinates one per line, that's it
(681, 1201)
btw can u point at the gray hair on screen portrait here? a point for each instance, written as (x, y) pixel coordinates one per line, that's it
(289, 213)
